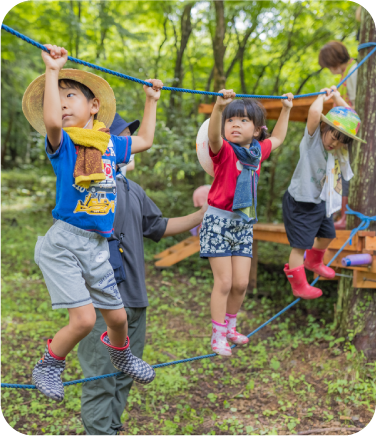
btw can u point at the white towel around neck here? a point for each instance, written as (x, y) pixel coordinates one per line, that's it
(329, 193)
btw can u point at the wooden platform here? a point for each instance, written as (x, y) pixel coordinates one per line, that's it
(299, 112)
(363, 242)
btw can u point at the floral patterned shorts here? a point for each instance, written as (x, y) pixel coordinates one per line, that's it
(220, 237)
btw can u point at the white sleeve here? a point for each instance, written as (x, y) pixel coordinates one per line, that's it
(351, 84)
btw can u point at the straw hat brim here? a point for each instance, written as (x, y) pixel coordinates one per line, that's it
(325, 119)
(32, 102)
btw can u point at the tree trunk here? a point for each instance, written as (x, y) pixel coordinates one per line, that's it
(6, 139)
(218, 46)
(186, 30)
(356, 308)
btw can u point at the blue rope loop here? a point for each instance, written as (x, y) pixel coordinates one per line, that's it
(189, 91)
(365, 220)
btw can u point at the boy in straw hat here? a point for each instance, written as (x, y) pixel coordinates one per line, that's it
(71, 107)
(315, 190)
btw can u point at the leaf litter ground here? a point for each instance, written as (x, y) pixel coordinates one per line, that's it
(294, 376)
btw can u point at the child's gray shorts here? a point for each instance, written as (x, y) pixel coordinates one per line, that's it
(75, 267)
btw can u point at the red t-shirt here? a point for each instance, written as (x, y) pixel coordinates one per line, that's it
(226, 172)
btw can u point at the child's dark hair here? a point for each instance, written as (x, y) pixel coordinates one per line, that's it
(250, 108)
(339, 136)
(333, 54)
(68, 83)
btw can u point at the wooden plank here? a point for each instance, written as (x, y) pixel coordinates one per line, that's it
(363, 233)
(299, 112)
(370, 243)
(279, 238)
(298, 103)
(205, 108)
(279, 228)
(177, 247)
(342, 236)
(176, 257)
(254, 266)
(364, 280)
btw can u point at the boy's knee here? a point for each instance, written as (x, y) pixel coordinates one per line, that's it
(84, 323)
(118, 320)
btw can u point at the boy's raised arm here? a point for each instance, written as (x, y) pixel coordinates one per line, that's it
(144, 140)
(52, 113)
(215, 123)
(280, 129)
(315, 111)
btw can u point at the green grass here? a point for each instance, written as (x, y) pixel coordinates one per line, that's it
(294, 374)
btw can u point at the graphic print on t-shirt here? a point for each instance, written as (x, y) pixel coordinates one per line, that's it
(96, 201)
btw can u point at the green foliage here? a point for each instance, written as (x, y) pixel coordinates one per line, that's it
(141, 39)
(300, 370)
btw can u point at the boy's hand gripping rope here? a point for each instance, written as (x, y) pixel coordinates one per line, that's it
(189, 91)
(362, 226)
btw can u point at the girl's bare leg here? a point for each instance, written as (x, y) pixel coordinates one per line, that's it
(241, 267)
(222, 272)
(296, 258)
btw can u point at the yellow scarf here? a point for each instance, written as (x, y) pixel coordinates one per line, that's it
(93, 144)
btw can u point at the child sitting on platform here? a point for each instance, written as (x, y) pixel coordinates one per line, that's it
(238, 142)
(314, 192)
(71, 107)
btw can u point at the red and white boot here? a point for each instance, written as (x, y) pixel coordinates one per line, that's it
(232, 334)
(314, 262)
(219, 342)
(298, 281)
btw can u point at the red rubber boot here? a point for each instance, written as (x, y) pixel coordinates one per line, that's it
(341, 223)
(313, 262)
(298, 281)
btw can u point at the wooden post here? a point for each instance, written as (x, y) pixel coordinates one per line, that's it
(253, 274)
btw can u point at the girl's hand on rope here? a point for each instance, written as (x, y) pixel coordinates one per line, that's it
(56, 58)
(153, 92)
(288, 103)
(228, 97)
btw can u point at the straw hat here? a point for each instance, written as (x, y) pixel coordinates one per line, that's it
(345, 120)
(33, 98)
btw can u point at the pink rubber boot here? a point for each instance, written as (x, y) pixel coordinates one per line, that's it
(298, 281)
(232, 334)
(219, 342)
(313, 262)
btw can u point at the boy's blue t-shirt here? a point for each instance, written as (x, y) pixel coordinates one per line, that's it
(91, 209)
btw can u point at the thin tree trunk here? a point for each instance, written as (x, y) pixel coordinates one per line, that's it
(6, 139)
(218, 46)
(186, 30)
(356, 308)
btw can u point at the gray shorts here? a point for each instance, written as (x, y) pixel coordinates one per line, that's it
(75, 267)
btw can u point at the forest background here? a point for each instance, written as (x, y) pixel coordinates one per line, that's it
(268, 47)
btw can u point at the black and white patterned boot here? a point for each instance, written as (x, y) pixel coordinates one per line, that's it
(47, 374)
(123, 360)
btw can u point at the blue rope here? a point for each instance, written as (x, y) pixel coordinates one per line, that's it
(171, 88)
(363, 225)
